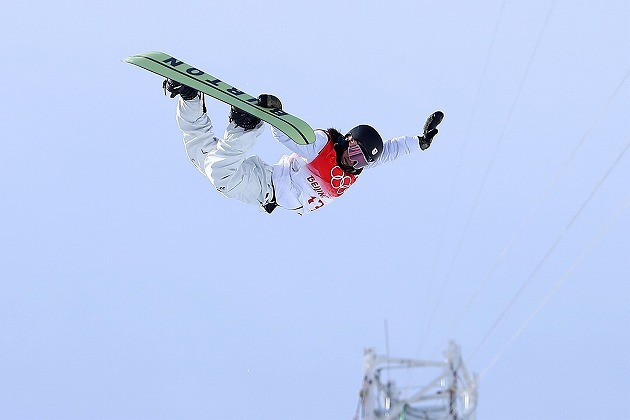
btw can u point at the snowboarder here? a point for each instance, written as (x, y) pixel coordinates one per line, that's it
(304, 181)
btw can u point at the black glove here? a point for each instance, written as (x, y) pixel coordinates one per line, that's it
(248, 121)
(269, 101)
(430, 129)
(175, 88)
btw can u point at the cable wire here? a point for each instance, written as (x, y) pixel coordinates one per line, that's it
(458, 169)
(596, 239)
(539, 201)
(551, 249)
(491, 163)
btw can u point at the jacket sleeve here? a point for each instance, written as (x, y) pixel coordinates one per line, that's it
(395, 148)
(199, 136)
(307, 151)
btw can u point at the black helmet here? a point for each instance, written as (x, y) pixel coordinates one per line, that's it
(370, 141)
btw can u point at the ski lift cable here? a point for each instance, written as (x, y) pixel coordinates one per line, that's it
(551, 249)
(491, 163)
(594, 242)
(539, 201)
(460, 160)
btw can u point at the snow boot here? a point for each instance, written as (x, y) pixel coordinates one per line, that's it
(175, 88)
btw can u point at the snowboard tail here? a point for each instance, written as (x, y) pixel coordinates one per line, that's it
(172, 68)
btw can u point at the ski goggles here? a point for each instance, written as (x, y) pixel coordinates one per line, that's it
(356, 155)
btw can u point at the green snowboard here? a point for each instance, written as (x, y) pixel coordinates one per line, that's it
(172, 68)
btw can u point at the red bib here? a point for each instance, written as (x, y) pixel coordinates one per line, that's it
(328, 175)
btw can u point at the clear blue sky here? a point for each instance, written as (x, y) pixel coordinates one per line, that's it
(129, 288)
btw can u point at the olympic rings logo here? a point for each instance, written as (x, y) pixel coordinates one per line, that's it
(339, 180)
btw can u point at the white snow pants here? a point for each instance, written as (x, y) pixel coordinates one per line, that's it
(224, 160)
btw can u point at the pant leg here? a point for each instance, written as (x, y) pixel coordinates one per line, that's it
(224, 161)
(233, 173)
(199, 138)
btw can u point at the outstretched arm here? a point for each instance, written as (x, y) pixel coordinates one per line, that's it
(307, 151)
(399, 146)
(395, 148)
